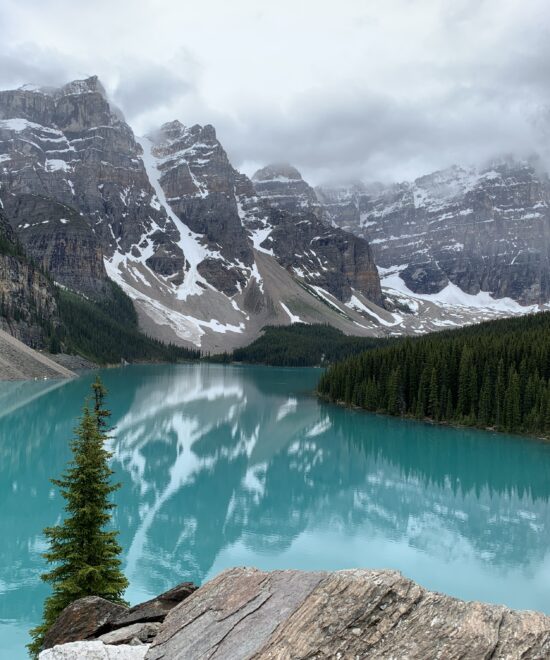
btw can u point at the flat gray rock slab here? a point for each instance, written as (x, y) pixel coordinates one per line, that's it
(246, 613)
(93, 651)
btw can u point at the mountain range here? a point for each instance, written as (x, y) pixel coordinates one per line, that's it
(209, 256)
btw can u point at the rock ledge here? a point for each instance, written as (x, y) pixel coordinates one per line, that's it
(246, 613)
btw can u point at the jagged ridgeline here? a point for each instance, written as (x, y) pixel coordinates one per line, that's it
(495, 374)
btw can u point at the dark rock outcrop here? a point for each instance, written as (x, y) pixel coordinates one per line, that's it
(199, 183)
(59, 239)
(157, 608)
(83, 619)
(93, 618)
(324, 256)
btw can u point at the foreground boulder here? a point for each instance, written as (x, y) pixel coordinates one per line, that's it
(246, 613)
(96, 618)
(81, 620)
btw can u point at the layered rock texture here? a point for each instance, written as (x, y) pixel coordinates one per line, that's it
(207, 260)
(28, 307)
(482, 229)
(94, 618)
(246, 613)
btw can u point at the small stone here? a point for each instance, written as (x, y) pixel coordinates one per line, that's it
(137, 633)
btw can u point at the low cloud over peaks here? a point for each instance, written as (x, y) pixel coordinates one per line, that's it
(341, 90)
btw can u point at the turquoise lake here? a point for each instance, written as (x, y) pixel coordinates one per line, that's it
(223, 466)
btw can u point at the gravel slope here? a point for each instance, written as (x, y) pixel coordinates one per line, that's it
(19, 362)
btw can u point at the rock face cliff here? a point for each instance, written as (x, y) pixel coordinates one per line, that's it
(69, 146)
(482, 229)
(28, 307)
(206, 259)
(245, 613)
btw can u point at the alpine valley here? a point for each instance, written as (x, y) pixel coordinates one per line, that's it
(209, 256)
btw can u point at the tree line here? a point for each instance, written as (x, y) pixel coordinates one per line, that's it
(107, 331)
(495, 374)
(299, 345)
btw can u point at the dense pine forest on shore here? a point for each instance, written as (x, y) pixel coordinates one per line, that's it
(492, 375)
(300, 345)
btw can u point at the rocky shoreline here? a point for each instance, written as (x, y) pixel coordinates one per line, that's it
(247, 613)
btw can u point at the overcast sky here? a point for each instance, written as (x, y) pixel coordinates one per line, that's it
(371, 89)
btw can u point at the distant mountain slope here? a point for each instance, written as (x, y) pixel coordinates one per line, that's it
(479, 229)
(427, 276)
(205, 259)
(284, 188)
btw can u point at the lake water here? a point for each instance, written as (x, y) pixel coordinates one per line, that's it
(223, 466)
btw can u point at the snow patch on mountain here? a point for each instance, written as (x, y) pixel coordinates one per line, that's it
(189, 241)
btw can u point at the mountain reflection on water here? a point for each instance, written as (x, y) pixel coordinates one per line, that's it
(225, 466)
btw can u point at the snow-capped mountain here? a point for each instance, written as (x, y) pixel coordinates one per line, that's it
(481, 230)
(207, 261)
(439, 242)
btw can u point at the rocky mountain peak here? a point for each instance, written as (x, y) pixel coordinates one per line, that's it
(207, 259)
(281, 172)
(175, 130)
(90, 85)
(283, 187)
(479, 229)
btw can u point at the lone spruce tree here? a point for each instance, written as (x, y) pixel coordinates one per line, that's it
(84, 555)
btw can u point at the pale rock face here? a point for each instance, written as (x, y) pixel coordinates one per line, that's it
(482, 229)
(94, 651)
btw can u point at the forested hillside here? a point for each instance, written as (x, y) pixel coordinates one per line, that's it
(301, 345)
(495, 374)
(108, 332)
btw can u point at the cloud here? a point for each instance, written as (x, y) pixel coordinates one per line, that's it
(146, 89)
(28, 63)
(342, 89)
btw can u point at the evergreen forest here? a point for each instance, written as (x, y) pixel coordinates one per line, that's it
(492, 375)
(300, 345)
